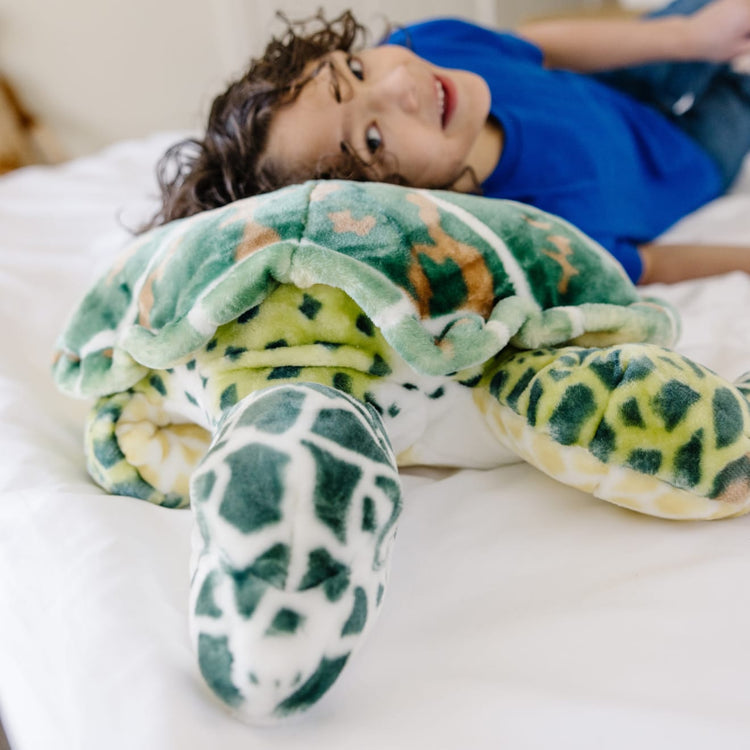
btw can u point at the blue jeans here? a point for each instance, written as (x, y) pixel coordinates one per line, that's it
(708, 101)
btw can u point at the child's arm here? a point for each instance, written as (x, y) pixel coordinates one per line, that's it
(671, 263)
(718, 32)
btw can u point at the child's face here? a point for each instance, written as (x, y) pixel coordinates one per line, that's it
(385, 101)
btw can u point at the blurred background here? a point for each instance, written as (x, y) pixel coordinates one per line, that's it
(82, 74)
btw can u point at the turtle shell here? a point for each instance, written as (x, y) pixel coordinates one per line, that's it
(449, 279)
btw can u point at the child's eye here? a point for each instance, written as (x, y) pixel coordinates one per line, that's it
(373, 139)
(356, 67)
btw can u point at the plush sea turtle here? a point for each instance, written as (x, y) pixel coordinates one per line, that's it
(271, 364)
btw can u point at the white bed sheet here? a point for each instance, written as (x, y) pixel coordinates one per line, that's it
(520, 614)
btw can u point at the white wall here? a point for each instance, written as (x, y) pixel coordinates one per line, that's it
(97, 71)
(101, 70)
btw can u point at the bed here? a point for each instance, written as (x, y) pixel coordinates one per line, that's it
(520, 613)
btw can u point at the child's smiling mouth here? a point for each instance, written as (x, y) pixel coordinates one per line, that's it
(446, 99)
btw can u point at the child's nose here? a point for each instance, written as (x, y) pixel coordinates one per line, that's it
(397, 88)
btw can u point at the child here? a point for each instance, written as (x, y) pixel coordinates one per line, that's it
(621, 126)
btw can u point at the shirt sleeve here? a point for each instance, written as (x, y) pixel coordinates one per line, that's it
(626, 253)
(429, 37)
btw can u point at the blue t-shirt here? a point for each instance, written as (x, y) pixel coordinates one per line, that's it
(614, 167)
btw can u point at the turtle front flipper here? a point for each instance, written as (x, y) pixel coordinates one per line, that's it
(136, 447)
(295, 505)
(637, 425)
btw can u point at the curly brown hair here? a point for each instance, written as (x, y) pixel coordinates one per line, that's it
(228, 162)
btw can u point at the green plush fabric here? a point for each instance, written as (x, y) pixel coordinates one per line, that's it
(448, 279)
(271, 364)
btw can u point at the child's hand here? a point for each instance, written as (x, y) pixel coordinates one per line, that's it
(720, 31)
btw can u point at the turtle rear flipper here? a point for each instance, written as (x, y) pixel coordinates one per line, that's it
(638, 425)
(743, 385)
(295, 506)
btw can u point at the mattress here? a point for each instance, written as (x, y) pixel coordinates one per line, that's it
(520, 613)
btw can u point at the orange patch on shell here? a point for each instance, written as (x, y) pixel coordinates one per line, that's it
(561, 255)
(254, 238)
(476, 274)
(343, 221)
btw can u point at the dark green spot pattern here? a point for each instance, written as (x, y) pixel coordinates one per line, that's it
(274, 412)
(310, 307)
(206, 603)
(278, 344)
(736, 471)
(728, 417)
(638, 369)
(673, 402)
(156, 382)
(645, 461)
(228, 397)
(250, 584)
(215, 662)
(357, 619)
(312, 690)
(576, 406)
(687, 462)
(272, 566)
(537, 389)
(631, 413)
(254, 493)
(233, 353)
(107, 452)
(369, 517)
(342, 382)
(517, 391)
(286, 622)
(603, 442)
(346, 429)
(248, 314)
(285, 372)
(323, 569)
(335, 484)
(608, 369)
(202, 486)
(365, 325)
(379, 367)
(248, 591)
(498, 382)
